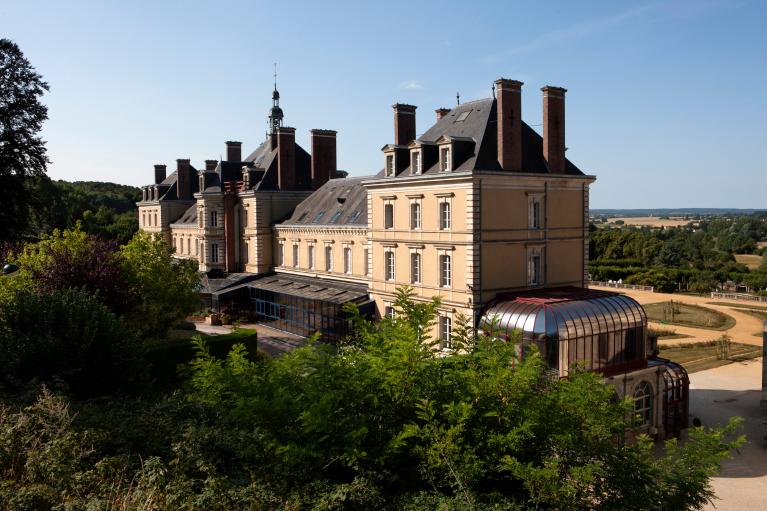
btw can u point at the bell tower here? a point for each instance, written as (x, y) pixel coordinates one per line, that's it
(275, 114)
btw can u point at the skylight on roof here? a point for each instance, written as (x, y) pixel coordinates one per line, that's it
(319, 215)
(463, 116)
(355, 216)
(335, 216)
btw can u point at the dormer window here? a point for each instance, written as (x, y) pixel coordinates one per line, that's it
(444, 159)
(415, 164)
(389, 165)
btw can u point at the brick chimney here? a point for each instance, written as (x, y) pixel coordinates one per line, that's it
(554, 128)
(509, 110)
(323, 156)
(286, 158)
(183, 179)
(404, 123)
(233, 151)
(211, 164)
(160, 172)
(442, 112)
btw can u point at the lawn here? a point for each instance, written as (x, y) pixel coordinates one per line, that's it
(684, 314)
(700, 356)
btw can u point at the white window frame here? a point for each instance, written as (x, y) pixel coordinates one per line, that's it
(415, 215)
(445, 331)
(390, 265)
(644, 402)
(445, 159)
(535, 277)
(416, 267)
(445, 215)
(416, 162)
(535, 211)
(389, 162)
(389, 310)
(445, 270)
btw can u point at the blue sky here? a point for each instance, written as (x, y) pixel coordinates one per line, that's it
(666, 101)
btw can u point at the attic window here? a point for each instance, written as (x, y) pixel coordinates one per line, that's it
(318, 216)
(335, 216)
(463, 116)
(355, 216)
(303, 215)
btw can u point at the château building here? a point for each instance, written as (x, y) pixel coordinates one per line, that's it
(479, 210)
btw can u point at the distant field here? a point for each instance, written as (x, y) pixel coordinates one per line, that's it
(752, 261)
(650, 221)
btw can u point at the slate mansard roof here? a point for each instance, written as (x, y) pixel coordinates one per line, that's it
(477, 121)
(338, 202)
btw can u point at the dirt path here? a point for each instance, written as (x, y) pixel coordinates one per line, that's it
(743, 331)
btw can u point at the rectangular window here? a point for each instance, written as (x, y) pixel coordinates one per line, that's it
(214, 252)
(388, 216)
(189, 246)
(445, 159)
(389, 164)
(535, 213)
(415, 268)
(445, 270)
(281, 255)
(155, 219)
(389, 311)
(389, 262)
(295, 255)
(415, 215)
(197, 247)
(534, 269)
(214, 218)
(143, 219)
(328, 258)
(310, 253)
(446, 332)
(347, 260)
(366, 261)
(416, 163)
(444, 215)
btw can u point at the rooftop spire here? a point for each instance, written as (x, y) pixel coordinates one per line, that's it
(457, 98)
(275, 114)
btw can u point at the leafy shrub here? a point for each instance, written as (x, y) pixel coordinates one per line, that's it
(68, 336)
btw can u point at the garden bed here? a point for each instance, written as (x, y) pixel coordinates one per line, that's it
(685, 314)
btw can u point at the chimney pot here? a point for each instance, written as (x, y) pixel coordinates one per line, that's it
(554, 128)
(509, 115)
(233, 151)
(404, 123)
(442, 112)
(160, 173)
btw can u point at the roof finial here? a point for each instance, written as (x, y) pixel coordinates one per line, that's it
(493, 90)
(458, 98)
(275, 76)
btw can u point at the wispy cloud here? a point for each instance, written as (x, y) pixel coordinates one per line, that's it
(411, 85)
(570, 34)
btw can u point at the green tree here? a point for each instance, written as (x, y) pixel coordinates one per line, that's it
(22, 150)
(163, 290)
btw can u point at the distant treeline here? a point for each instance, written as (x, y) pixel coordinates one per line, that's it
(683, 212)
(698, 256)
(107, 210)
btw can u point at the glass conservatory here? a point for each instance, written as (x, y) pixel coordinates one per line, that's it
(605, 331)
